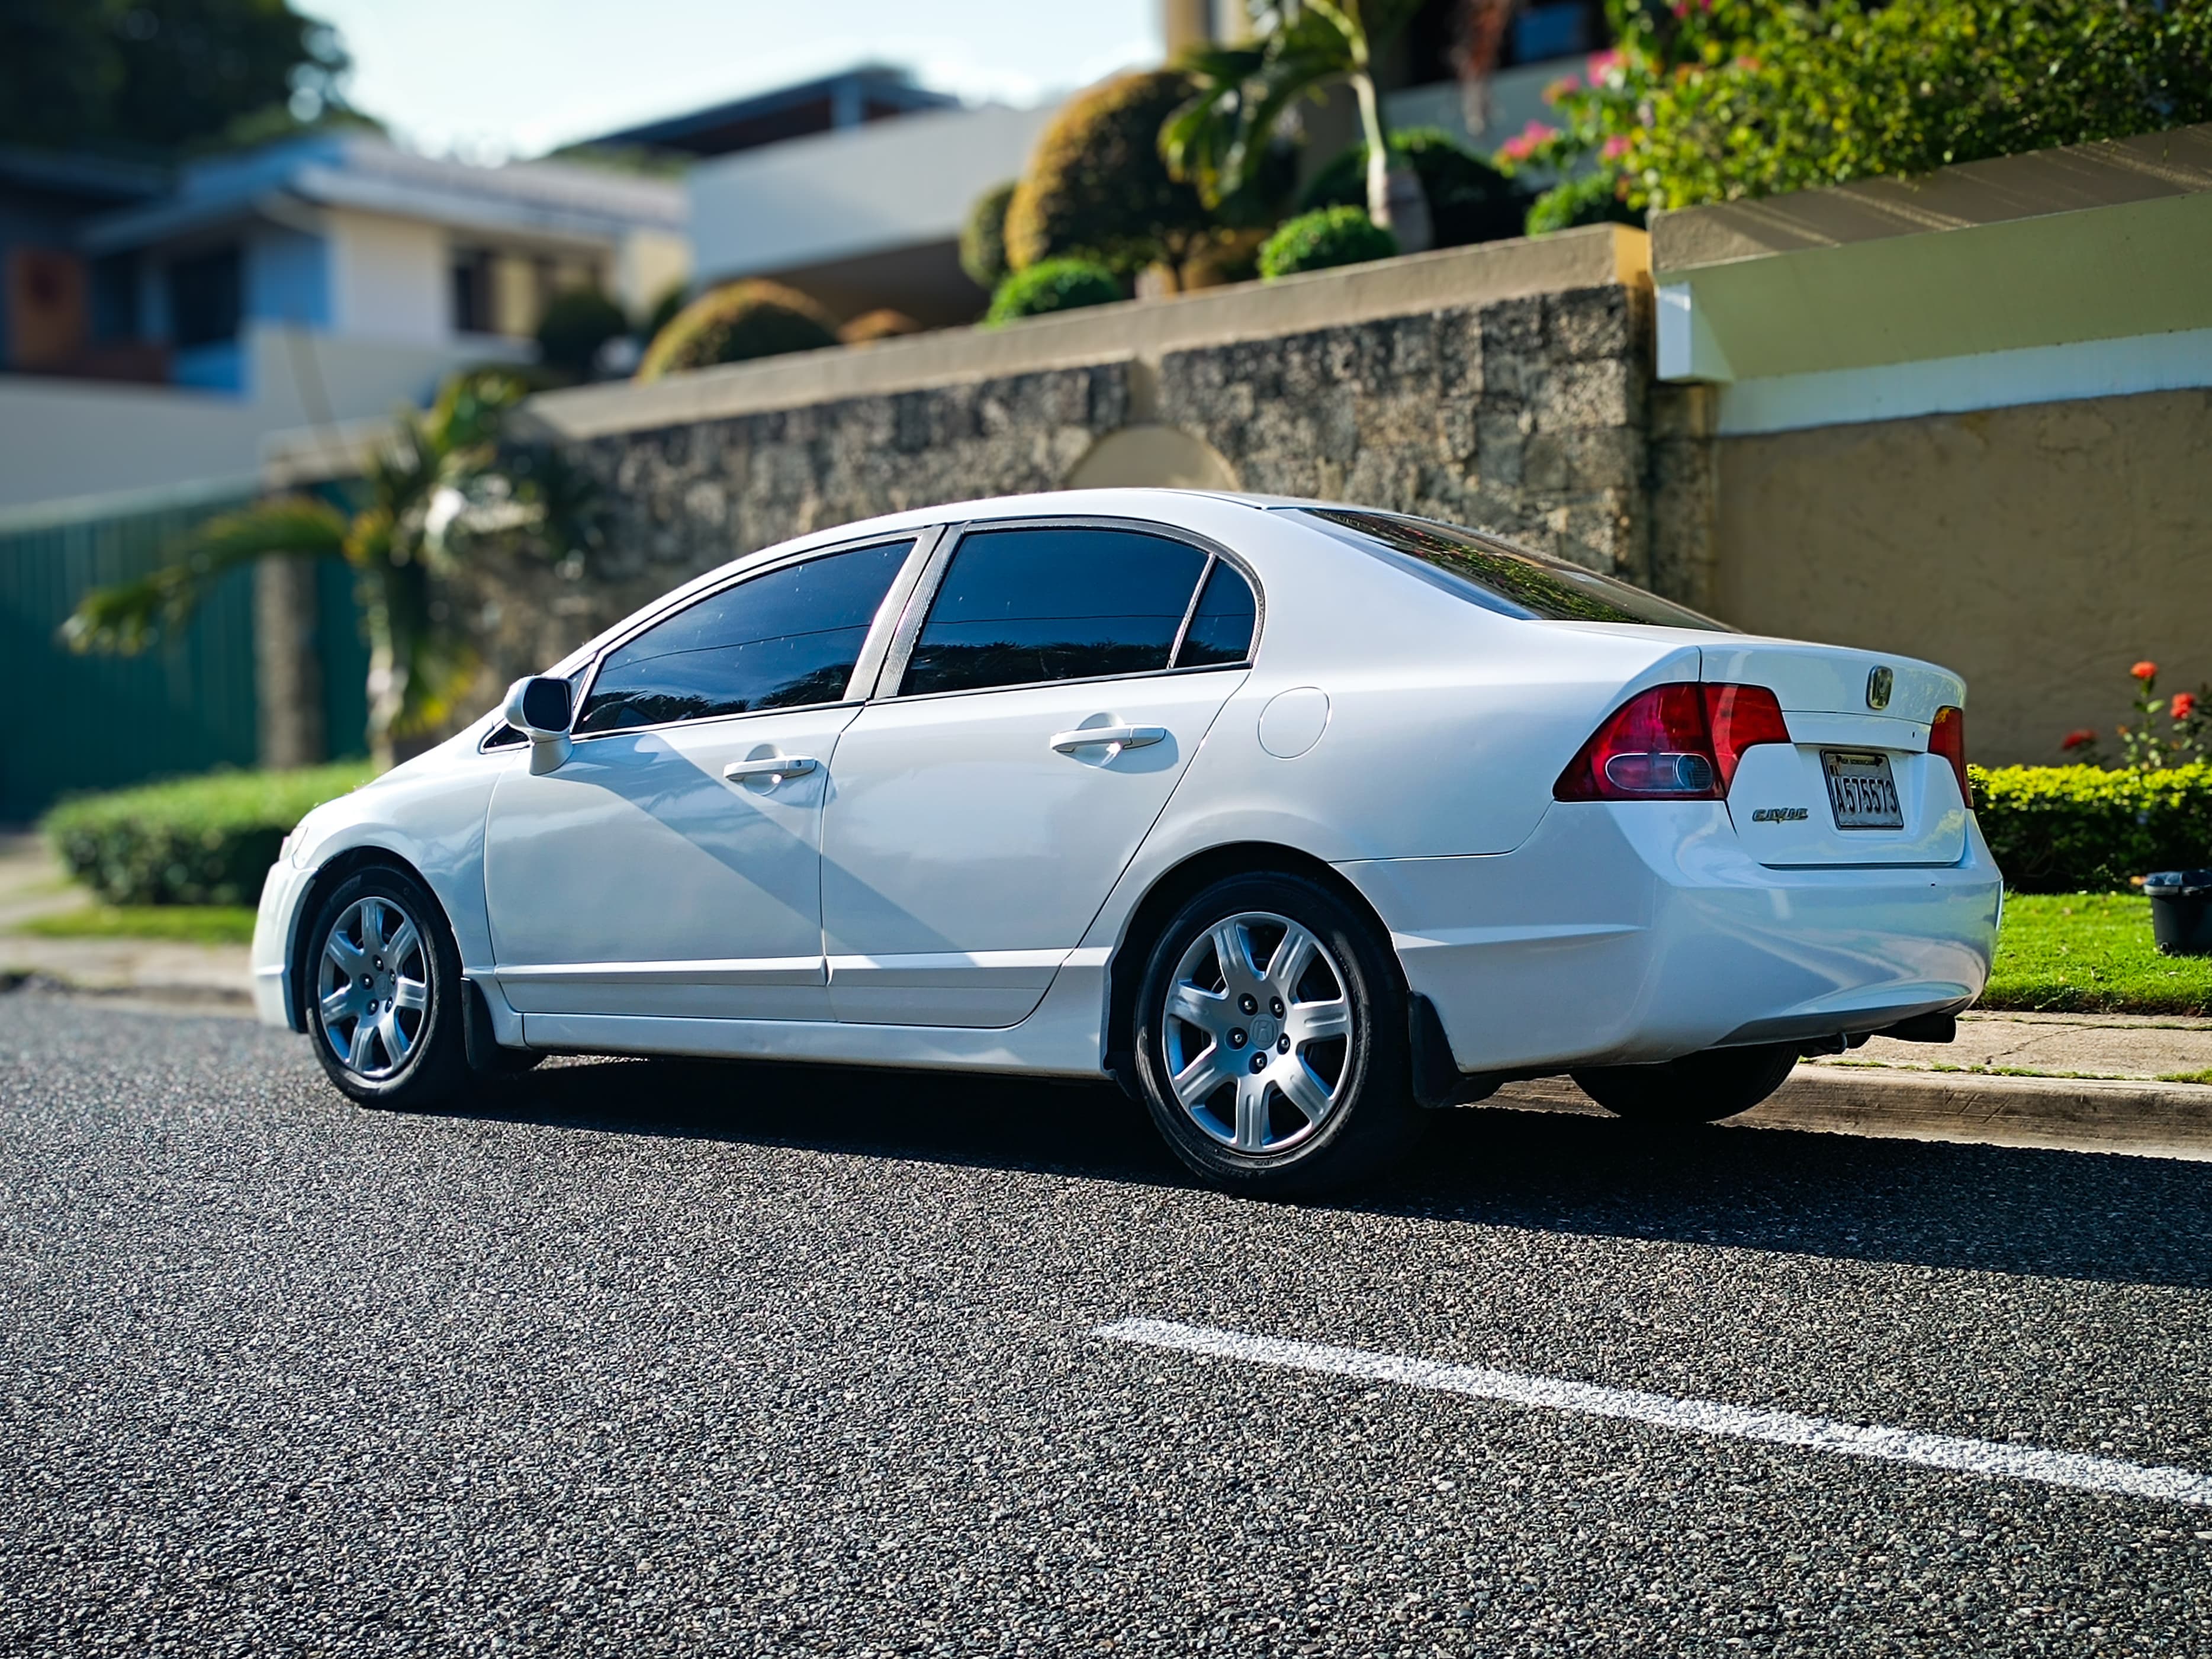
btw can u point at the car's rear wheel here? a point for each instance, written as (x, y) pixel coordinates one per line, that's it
(1696, 1089)
(1270, 1039)
(384, 992)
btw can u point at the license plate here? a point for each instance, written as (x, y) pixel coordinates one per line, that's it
(1861, 790)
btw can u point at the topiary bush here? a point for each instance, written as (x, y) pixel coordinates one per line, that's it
(1330, 236)
(577, 322)
(1054, 285)
(983, 237)
(733, 323)
(1096, 187)
(195, 840)
(2073, 829)
(1469, 200)
(881, 324)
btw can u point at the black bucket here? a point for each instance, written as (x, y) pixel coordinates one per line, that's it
(2181, 911)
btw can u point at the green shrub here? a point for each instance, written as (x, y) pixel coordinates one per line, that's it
(983, 237)
(1096, 188)
(1054, 285)
(2074, 828)
(733, 323)
(1592, 200)
(1469, 200)
(195, 841)
(1331, 236)
(577, 322)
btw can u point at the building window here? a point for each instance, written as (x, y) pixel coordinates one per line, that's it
(204, 298)
(472, 280)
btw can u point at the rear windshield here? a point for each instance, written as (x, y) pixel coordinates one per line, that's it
(1500, 577)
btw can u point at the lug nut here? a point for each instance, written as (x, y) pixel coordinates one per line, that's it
(1276, 1007)
(1283, 1044)
(1236, 1038)
(1249, 1005)
(1258, 1064)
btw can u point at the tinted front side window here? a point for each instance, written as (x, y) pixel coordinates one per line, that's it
(1507, 579)
(781, 641)
(1023, 606)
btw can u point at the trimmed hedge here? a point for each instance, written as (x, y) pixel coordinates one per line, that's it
(1053, 285)
(2077, 829)
(197, 841)
(736, 323)
(1469, 200)
(1326, 237)
(1096, 188)
(983, 237)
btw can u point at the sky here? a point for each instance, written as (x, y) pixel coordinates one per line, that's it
(490, 79)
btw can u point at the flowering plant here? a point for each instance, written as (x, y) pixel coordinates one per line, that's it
(1710, 100)
(2144, 747)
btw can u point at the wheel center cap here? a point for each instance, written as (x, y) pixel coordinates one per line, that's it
(1265, 1031)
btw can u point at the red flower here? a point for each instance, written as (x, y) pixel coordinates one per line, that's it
(2076, 739)
(2185, 704)
(2145, 671)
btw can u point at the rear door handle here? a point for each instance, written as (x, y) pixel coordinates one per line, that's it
(1117, 736)
(771, 766)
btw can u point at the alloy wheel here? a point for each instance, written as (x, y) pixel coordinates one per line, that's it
(1258, 1033)
(372, 990)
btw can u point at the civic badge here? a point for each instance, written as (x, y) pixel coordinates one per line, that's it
(1878, 688)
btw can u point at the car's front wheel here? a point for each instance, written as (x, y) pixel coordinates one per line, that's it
(1696, 1089)
(384, 992)
(1271, 1039)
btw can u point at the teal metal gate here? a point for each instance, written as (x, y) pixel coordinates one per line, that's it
(99, 722)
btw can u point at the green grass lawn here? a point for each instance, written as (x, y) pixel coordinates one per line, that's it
(2091, 953)
(192, 924)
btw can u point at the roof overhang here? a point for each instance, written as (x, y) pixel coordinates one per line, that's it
(1953, 290)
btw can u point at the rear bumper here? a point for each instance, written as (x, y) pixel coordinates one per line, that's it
(1626, 934)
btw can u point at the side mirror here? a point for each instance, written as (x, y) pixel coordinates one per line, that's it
(540, 708)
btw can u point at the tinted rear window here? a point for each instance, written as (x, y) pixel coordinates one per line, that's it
(1503, 578)
(1050, 602)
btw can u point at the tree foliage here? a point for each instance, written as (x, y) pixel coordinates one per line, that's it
(161, 74)
(432, 494)
(1711, 100)
(1242, 97)
(577, 323)
(1096, 187)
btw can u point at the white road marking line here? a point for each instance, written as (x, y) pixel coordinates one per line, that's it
(1713, 1417)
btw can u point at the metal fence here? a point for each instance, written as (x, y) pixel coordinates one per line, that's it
(96, 721)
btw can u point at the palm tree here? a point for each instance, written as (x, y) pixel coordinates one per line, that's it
(435, 485)
(1217, 140)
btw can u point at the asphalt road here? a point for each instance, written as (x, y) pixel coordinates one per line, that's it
(642, 1359)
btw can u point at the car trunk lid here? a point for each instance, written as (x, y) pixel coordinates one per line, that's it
(1855, 784)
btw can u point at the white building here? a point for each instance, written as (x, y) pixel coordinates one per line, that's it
(310, 282)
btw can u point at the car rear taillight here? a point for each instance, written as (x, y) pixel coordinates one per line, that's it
(1678, 742)
(1948, 737)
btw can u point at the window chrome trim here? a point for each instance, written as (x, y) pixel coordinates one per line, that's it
(925, 595)
(925, 540)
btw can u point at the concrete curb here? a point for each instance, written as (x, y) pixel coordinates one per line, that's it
(2144, 1119)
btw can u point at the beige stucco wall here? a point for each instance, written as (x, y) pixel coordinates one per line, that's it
(2038, 549)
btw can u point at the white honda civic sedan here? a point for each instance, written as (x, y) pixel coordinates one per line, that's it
(1294, 819)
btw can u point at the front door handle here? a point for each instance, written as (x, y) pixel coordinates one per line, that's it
(778, 766)
(1116, 737)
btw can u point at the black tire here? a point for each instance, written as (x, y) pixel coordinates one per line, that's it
(1697, 1089)
(1255, 1139)
(381, 995)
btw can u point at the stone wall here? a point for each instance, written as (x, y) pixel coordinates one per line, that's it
(1508, 386)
